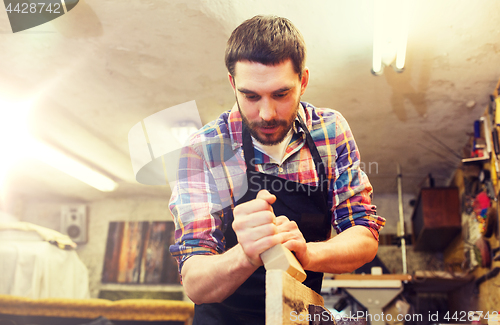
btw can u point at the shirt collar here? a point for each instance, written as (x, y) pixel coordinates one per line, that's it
(236, 124)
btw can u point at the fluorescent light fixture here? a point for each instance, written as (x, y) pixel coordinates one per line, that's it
(16, 143)
(378, 26)
(404, 23)
(390, 34)
(72, 167)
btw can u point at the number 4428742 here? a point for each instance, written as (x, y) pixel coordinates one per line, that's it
(470, 316)
(31, 8)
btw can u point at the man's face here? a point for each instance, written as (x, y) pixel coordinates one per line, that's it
(268, 98)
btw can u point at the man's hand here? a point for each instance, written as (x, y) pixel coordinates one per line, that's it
(292, 238)
(255, 226)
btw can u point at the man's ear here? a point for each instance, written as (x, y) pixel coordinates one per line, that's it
(304, 80)
(231, 81)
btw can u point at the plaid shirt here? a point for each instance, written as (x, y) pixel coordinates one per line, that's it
(212, 178)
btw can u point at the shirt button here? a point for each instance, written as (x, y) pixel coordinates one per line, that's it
(280, 169)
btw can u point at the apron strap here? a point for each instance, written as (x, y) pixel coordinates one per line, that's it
(320, 167)
(248, 148)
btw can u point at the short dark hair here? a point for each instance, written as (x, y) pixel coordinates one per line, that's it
(268, 40)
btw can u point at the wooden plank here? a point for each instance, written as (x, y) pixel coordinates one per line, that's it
(443, 275)
(123, 259)
(113, 250)
(280, 258)
(134, 252)
(170, 272)
(146, 234)
(145, 310)
(288, 300)
(137, 252)
(154, 256)
(361, 283)
(400, 277)
(129, 265)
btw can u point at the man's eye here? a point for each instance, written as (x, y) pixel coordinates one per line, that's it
(280, 95)
(252, 97)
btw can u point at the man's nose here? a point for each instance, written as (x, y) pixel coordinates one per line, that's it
(267, 110)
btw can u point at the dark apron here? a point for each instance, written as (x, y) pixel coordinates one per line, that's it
(304, 204)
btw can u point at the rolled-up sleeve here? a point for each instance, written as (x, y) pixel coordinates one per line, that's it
(352, 191)
(195, 208)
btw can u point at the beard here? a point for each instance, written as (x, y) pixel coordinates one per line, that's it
(283, 126)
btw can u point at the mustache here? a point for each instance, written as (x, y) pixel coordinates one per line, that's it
(270, 124)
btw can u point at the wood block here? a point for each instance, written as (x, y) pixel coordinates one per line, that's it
(280, 258)
(288, 300)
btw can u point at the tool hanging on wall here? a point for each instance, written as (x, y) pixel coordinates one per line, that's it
(495, 115)
(491, 221)
(492, 110)
(401, 223)
(496, 148)
(485, 179)
(495, 103)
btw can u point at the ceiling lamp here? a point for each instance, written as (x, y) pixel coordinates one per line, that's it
(390, 34)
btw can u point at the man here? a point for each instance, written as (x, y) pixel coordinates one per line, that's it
(301, 167)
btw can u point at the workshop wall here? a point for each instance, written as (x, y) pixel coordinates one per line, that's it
(100, 214)
(484, 293)
(391, 256)
(388, 207)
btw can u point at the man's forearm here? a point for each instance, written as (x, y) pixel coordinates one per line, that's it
(213, 278)
(343, 253)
